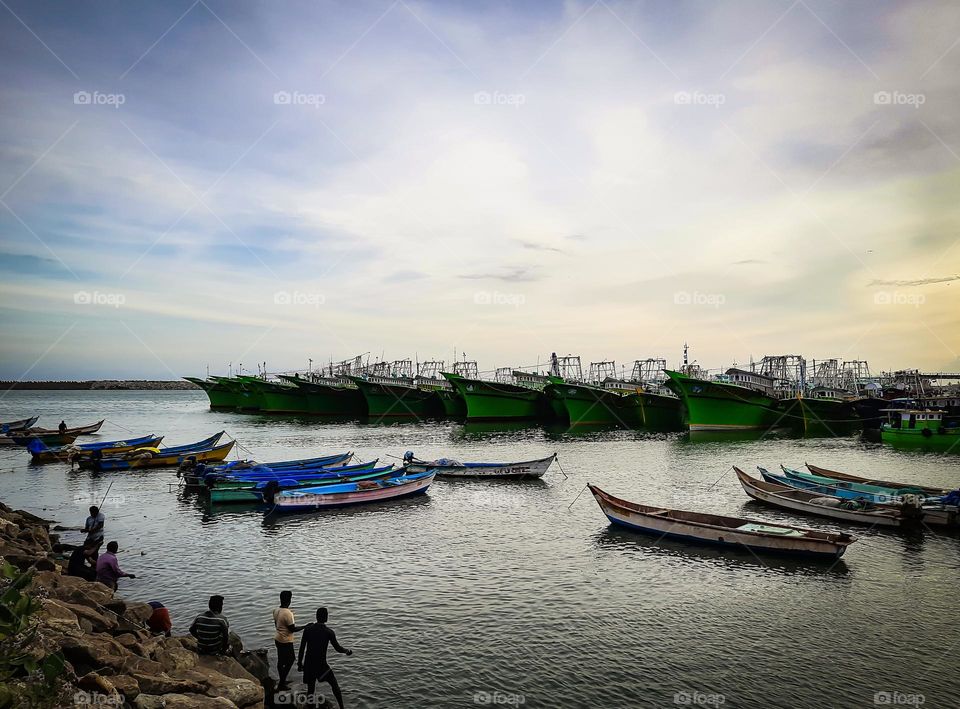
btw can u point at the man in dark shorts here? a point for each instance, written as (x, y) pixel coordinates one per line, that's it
(314, 643)
(286, 626)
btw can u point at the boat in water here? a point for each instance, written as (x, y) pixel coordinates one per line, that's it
(77, 452)
(513, 394)
(322, 497)
(433, 378)
(717, 530)
(922, 429)
(900, 486)
(391, 392)
(25, 438)
(447, 468)
(12, 426)
(156, 458)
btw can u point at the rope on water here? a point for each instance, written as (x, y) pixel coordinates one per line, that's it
(577, 497)
(565, 476)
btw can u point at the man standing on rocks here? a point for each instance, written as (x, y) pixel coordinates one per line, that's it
(211, 629)
(93, 526)
(286, 626)
(108, 570)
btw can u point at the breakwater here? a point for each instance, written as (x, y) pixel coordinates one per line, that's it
(99, 384)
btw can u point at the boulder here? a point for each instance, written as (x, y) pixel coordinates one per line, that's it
(127, 686)
(138, 612)
(91, 652)
(97, 683)
(173, 657)
(163, 684)
(148, 701)
(101, 622)
(255, 662)
(182, 701)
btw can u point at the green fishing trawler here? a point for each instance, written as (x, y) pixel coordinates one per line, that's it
(926, 430)
(513, 395)
(647, 403)
(279, 397)
(390, 391)
(333, 396)
(591, 403)
(825, 405)
(222, 397)
(737, 401)
(451, 400)
(245, 397)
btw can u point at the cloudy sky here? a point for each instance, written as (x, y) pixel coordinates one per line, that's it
(185, 184)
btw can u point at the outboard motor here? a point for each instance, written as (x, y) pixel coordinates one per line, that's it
(911, 506)
(270, 490)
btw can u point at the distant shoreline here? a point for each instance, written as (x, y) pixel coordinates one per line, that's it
(100, 384)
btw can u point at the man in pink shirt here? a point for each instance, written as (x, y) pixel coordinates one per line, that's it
(108, 570)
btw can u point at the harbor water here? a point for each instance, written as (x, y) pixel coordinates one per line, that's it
(519, 593)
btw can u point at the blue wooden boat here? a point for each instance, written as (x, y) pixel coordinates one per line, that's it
(874, 493)
(152, 458)
(13, 426)
(446, 468)
(253, 492)
(258, 474)
(355, 493)
(237, 466)
(80, 451)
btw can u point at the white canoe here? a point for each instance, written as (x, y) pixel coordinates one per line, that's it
(527, 469)
(710, 529)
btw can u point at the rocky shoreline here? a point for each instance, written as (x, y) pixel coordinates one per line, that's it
(109, 656)
(101, 384)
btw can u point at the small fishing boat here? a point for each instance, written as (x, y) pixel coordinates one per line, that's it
(910, 487)
(446, 468)
(923, 429)
(245, 478)
(354, 493)
(247, 492)
(20, 425)
(238, 466)
(80, 451)
(874, 493)
(818, 503)
(46, 439)
(711, 529)
(90, 428)
(156, 458)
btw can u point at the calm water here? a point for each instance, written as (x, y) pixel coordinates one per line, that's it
(498, 592)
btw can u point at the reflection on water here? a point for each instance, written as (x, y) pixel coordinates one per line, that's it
(507, 586)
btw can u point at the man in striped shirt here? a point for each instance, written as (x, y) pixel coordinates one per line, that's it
(211, 629)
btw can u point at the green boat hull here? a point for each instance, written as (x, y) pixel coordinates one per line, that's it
(330, 400)
(718, 406)
(387, 401)
(222, 398)
(654, 412)
(821, 417)
(582, 404)
(245, 398)
(916, 439)
(494, 401)
(275, 402)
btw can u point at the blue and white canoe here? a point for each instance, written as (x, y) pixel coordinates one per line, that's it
(310, 499)
(446, 468)
(697, 527)
(241, 466)
(322, 472)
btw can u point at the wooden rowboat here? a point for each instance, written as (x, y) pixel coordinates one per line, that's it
(524, 470)
(930, 491)
(258, 491)
(86, 450)
(796, 500)
(761, 537)
(147, 459)
(875, 493)
(75, 430)
(354, 493)
(24, 439)
(11, 426)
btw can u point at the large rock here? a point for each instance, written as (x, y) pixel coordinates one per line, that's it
(256, 663)
(97, 683)
(101, 622)
(225, 677)
(182, 701)
(127, 686)
(163, 684)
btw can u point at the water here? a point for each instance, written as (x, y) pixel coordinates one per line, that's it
(497, 593)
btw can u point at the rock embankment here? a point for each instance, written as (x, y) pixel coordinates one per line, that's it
(111, 658)
(132, 384)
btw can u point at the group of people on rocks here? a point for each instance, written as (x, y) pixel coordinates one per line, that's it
(211, 628)
(87, 562)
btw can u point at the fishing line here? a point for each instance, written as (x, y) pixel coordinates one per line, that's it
(577, 497)
(720, 478)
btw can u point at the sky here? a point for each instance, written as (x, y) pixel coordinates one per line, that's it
(196, 184)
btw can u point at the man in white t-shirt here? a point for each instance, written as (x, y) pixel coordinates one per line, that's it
(93, 526)
(286, 626)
